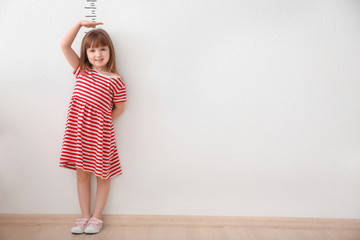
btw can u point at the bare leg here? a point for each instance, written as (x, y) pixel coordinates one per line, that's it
(102, 193)
(83, 188)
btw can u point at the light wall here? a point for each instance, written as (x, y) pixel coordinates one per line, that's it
(235, 108)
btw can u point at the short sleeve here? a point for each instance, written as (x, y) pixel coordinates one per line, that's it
(76, 72)
(120, 91)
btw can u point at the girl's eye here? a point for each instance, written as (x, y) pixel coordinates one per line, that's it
(92, 50)
(103, 49)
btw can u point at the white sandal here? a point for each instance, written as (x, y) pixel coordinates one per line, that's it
(80, 225)
(94, 226)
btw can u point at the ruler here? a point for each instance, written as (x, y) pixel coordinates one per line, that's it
(90, 11)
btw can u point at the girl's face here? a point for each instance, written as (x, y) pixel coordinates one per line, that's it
(98, 56)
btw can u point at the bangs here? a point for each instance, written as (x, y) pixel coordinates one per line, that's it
(94, 40)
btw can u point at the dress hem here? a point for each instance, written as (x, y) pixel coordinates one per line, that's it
(75, 168)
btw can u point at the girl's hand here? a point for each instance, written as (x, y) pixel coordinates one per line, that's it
(89, 24)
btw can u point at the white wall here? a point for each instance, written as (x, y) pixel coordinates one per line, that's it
(236, 108)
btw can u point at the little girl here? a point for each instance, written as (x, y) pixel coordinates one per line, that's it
(98, 99)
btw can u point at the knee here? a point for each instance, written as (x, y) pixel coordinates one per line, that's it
(102, 181)
(83, 176)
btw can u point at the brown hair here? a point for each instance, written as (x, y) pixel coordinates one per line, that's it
(95, 38)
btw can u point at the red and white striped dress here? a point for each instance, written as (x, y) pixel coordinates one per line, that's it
(89, 140)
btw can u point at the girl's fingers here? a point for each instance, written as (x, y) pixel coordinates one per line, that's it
(91, 24)
(98, 23)
(95, 24)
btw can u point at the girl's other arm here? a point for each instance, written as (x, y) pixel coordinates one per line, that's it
(119, 109)
(69, 38)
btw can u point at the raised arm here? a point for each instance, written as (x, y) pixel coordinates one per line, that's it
(69, 38)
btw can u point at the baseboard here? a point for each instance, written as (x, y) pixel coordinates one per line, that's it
(185, 221)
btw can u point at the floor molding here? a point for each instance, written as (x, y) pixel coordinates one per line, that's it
(185, 221)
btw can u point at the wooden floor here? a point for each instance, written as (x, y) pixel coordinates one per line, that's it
(175, 233)
(14, 227)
